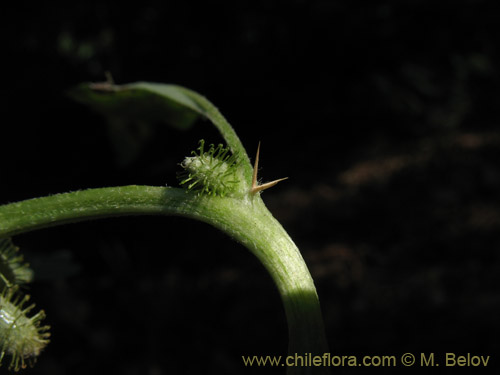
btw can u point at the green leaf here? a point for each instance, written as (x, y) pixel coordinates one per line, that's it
(145, 103)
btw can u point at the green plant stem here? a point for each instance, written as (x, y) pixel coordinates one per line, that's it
(246, 220)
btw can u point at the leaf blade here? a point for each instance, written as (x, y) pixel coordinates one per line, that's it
(152, 102)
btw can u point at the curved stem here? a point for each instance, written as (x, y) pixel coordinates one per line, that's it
(246, 220)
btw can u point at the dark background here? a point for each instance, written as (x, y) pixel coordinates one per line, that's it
(382, 113)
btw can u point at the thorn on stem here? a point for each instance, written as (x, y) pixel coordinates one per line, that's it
(255, 185)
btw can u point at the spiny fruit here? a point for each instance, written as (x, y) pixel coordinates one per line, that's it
(214, 172)
(22, 337)
(13, 270)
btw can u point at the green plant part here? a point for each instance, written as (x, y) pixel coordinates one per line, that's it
(22, 337)
(220, 187)
(213, 172)
(13, 270)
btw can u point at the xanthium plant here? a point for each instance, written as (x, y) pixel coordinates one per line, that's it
(219, 186)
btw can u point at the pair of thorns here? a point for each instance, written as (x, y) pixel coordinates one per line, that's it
(256, 187)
